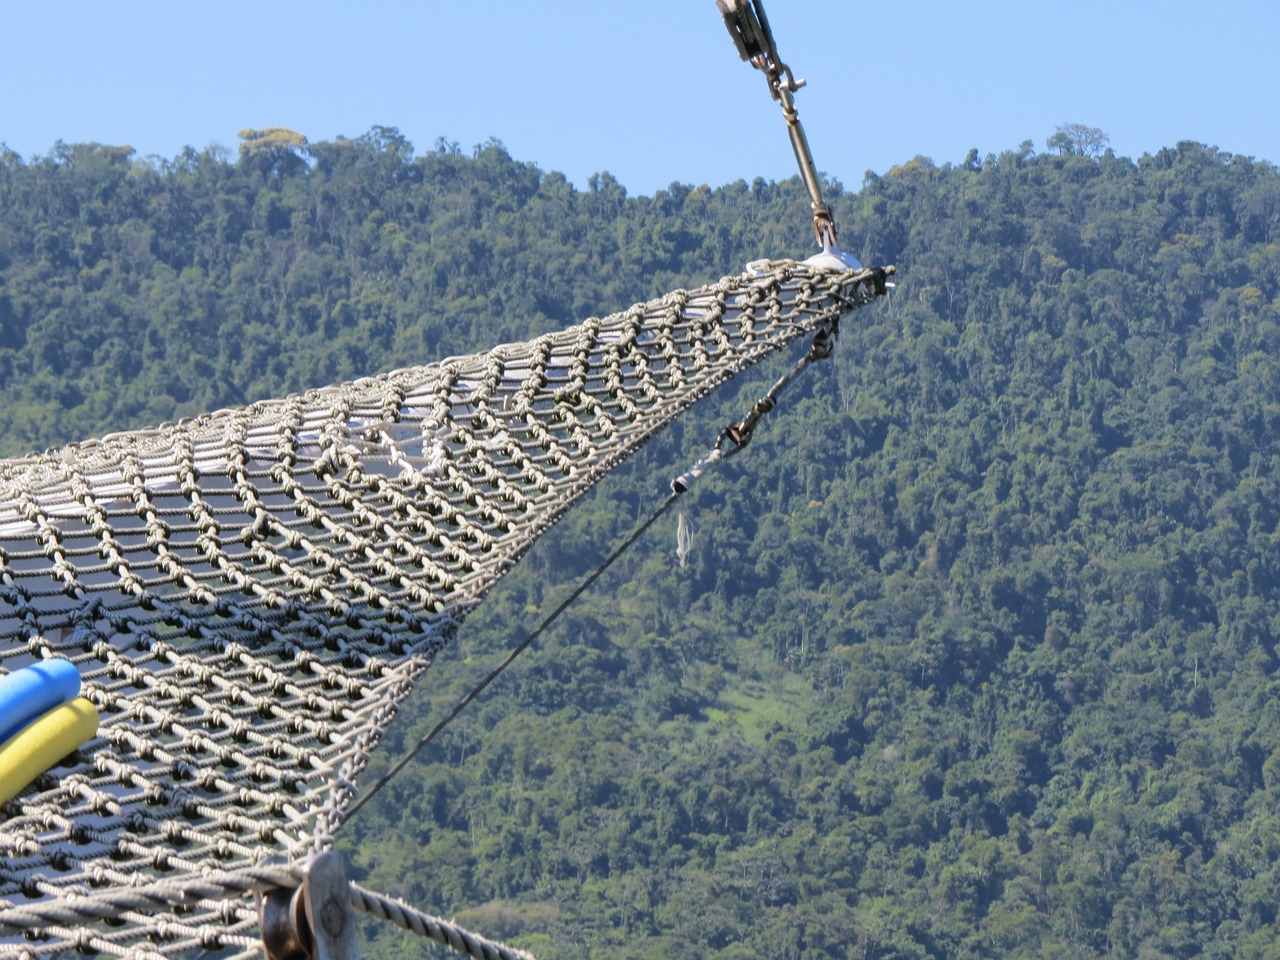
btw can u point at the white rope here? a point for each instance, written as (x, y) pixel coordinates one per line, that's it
(248, 596)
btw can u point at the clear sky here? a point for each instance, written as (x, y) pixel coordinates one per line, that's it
(652, 91)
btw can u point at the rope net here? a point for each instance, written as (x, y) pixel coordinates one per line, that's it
(249, 595)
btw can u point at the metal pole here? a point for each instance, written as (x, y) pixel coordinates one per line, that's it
(749, 28)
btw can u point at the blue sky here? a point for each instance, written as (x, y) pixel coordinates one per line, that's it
(651, 92)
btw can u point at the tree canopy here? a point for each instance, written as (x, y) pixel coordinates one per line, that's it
(1078, 139)
(973, 651)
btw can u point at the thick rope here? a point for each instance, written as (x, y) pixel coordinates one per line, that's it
(433, 928)
(114, 904)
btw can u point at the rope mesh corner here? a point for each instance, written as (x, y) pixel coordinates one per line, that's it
(249, 595)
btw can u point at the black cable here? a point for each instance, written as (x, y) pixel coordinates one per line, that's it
(524, 645)
(818, 350)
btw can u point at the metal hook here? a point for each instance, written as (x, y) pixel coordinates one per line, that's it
(749, 28)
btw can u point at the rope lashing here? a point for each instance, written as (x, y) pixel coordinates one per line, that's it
(739, 433)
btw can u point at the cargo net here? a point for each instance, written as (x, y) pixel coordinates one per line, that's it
(249, 595)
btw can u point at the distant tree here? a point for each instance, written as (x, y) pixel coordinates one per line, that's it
(388, 140)
(490, 143)
(272, 149)
(1076, 139)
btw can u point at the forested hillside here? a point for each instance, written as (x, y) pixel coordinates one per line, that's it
(131, 291)
(974, 654)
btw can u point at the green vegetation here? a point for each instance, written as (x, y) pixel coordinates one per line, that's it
(975, 651)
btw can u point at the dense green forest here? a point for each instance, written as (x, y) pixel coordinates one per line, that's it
(974, 653)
